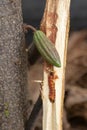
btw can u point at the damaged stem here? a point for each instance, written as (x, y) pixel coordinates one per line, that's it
(56, 27)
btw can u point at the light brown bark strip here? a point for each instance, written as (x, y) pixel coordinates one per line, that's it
(52, 112)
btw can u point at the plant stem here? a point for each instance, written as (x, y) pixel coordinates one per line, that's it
(55, 24)
(26, 27)
(34, 114)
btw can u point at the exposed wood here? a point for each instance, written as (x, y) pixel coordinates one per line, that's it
(55, 24)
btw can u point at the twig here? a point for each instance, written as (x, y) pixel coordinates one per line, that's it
(34, 114)
(26, 27)
(55, 24)
(33, 54)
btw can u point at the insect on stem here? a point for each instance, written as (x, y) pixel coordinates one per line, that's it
(51, 82)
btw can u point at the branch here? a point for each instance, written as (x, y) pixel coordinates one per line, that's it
(34, 114)
(55, 24)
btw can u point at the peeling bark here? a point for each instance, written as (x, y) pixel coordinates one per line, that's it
(55, 24)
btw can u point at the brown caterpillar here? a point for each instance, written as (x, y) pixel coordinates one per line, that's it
(51, 82)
